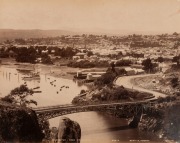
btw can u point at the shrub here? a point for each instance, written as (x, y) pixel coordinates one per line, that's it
(105, 79)
(123, 63)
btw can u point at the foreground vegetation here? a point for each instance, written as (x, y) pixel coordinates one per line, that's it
(18, 122)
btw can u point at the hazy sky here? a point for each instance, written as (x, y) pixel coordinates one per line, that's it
(91, 15)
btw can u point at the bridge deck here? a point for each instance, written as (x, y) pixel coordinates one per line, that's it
(71, 106)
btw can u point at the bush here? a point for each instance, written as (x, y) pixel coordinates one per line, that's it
(119, 93)
(87, 64)
(81, 64)
(166, 99)
(174, 82)
(105, 79)
(123, 63)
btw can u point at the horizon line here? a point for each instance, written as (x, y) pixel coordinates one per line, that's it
(106, 31)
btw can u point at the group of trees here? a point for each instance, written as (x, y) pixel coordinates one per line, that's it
(27, 55)
(65, 52)
(175, 82)
(31, 54)
(149, 66)
(88, 64)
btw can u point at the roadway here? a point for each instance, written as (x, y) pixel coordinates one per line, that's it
(126, 81)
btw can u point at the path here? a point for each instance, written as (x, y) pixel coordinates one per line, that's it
(126, 82)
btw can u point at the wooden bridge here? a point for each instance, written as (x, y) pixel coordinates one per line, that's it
(120, 109)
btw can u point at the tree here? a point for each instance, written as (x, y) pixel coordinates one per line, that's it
(89, 53)
(19, 96)
(160, 59)
(46, 59)
(113, 67)
(176, 59)
(105, 79)
(28, 55)
(148, 65)
(174, 82)
(175, 33)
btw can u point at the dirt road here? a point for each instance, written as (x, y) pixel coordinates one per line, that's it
(126, 81)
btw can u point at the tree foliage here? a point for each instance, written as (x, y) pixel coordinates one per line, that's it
(174, 82)
(105, 79)
(148, 65)
(46, 59)
(160, 59)
(26, 55)
(19, 96)
(123, 63)
(176, 59)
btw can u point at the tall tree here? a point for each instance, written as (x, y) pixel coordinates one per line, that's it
(160, 59)
(148, 65)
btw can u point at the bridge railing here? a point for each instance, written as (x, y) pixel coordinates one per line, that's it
(87, 105)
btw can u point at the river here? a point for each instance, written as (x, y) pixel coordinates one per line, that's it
(95, 126)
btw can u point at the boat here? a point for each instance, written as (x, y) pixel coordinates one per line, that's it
(24, 70)
(36, 87)
(32, 76)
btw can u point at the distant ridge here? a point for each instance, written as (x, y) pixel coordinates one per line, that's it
(9, 34)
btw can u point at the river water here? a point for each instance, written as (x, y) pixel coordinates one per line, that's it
(96, 127)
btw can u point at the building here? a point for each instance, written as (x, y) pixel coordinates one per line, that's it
(81, 55)
(130, 71)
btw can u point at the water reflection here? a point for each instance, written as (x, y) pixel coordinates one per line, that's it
(102, 128)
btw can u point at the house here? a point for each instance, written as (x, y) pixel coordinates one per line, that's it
(39, 60)
(130, 71)
(92, 77)
(44, 51)
(139, 71)
(81, 55)
(75, 57)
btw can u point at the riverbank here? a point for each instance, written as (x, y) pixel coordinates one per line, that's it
(51, 70)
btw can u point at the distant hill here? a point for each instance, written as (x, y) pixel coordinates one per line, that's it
(9, 34)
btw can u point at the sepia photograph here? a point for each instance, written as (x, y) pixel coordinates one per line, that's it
(89, 71)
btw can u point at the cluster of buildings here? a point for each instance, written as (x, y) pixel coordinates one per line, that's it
(109, 48)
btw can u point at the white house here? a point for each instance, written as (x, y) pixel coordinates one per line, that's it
(81, 55)
(130, 71)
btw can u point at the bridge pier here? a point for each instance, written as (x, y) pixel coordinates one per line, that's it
(136, 119)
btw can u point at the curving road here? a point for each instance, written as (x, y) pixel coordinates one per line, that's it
(126, 82)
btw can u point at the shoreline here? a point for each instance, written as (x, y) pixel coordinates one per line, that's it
(51, 70)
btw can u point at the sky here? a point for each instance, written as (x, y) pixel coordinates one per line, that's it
(91, 15)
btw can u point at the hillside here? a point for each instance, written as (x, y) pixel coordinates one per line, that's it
(9, 34)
